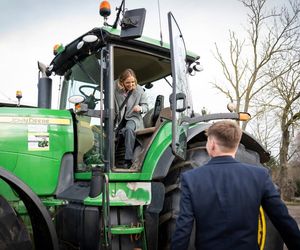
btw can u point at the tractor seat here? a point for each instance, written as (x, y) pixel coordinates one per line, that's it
(151, 116)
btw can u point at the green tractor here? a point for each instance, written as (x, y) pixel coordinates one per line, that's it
(62, 181)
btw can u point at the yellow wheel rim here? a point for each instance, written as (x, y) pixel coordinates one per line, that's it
(262, 229)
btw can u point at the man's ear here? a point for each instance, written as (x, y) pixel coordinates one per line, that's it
(209, 144)
(212, 144)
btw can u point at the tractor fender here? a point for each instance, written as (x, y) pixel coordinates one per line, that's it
(251, 143)
(167, 157)
(197, 133)
(45, 236)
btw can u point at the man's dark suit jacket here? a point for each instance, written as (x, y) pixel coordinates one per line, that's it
(224, 197)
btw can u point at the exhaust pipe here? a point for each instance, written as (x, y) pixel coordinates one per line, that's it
(44, 88)
(44, 92)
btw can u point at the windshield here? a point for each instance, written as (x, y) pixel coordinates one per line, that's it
(82, 79)
(73, 87)
(153, 74)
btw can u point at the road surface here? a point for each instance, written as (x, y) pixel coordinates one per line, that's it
(294, 211)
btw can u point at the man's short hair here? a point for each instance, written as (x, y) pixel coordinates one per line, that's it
(227, 134)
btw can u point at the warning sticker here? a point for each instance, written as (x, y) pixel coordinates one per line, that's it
(38, 141)
(33, 128)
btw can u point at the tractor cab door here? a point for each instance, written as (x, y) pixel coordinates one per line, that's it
(179, 99)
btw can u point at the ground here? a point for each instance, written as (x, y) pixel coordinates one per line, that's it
(294, 210)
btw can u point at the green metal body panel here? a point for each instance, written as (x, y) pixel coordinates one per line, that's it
(162, 140)
(33, 142)
(125, 194)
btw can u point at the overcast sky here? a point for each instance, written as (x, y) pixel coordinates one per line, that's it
(30, 28)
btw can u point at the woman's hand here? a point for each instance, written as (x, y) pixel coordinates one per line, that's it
(137, 108)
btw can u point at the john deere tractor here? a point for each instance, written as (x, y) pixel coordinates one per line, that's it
(63, 184)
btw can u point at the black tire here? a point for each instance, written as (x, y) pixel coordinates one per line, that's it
(273, 239)
(197, 157)
(13, 232)
(43, 230)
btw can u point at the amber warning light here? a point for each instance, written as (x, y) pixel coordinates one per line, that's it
(104, 9)
(77, 107)
(244, 116)
(58, 48)
(18, 96)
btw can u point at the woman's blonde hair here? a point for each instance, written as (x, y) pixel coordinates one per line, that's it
(124, 75)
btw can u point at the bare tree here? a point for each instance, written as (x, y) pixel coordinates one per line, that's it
(262, 75)
(280, 105)
(287, 91)
(271, 35)
(295, 158)
(265, 128)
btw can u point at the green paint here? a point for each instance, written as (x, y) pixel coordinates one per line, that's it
(52, 202)
(7, 192)
(83, 175)
(126, 229)
(38, 166)
(157, 148)
(125, 194)
(131, 193)
(97, 201)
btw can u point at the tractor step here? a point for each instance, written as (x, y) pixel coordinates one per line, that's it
(126, 229)
(125, 170)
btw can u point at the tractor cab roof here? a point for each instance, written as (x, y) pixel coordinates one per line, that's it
(144, 55)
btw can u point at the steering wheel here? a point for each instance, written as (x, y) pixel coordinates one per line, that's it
(92, 94)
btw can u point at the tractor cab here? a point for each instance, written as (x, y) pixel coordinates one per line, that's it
(90, 67)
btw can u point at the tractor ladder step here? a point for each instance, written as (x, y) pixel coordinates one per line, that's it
(126, 229)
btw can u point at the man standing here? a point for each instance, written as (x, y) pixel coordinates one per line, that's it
(223, 198)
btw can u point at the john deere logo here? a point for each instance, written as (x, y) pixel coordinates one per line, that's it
(34, 120)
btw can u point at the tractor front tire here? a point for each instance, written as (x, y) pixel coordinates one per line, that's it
(13, 232)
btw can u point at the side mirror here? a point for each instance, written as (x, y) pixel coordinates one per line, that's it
(132, 23)
(75, 99)
(180, 102)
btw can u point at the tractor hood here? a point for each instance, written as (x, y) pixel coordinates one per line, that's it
(13, 104)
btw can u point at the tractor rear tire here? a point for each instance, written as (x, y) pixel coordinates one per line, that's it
(273, 238)
(196, 156)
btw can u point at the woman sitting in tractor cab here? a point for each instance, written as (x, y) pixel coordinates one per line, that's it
(130, 104)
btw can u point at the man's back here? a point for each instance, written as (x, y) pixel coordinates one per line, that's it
(225, 196)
